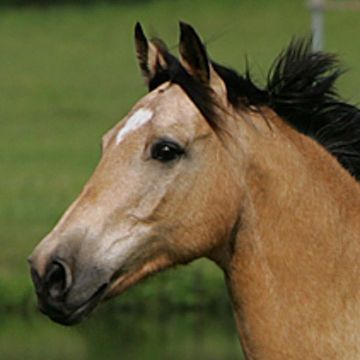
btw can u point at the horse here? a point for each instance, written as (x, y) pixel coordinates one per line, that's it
(261, 180)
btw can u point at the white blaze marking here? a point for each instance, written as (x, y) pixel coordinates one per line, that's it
(139, 118)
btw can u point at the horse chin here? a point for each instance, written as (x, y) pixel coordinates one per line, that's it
(68, 317)
(127, 279)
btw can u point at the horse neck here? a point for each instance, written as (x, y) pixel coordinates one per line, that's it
(294, 271)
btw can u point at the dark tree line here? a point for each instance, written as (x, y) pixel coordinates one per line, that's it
(60, 2)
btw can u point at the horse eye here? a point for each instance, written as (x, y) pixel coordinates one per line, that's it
(166, 151)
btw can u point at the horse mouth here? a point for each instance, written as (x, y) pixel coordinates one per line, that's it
(69, 316)
(123, 280)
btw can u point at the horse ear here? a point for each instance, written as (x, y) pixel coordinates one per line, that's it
(142, 49)
(150, 54)
(193, 54)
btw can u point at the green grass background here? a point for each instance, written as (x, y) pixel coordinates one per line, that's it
(68, 73)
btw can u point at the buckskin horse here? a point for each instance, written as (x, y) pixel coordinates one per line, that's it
(264, 181)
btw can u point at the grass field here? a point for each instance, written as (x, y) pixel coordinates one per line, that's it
(67, 74)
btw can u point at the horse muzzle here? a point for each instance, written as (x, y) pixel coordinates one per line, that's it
(67, 299)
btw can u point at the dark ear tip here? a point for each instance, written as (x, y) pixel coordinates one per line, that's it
(139, 33)
(186, 28)
(183, 24)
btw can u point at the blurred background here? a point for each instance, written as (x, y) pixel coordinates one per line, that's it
(67, 74)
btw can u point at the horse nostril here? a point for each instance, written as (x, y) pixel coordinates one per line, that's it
(57, 280)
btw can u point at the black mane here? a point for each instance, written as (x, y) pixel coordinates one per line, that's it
(300, 88)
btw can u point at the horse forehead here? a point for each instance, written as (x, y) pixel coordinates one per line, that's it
(139, 118)
(164, 108)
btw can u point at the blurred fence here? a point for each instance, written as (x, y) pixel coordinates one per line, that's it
(318, 8)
